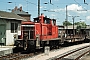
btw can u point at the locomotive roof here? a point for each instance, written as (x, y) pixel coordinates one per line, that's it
(53, 19)
(43, 17)
(47, 18)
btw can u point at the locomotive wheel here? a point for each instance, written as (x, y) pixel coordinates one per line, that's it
(32, 43)
(17, 43)
(25, 46)
(31, 46)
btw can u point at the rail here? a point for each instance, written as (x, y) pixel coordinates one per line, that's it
(60, 57)
(82, 55)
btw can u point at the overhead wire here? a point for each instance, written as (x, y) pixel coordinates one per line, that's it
(31, 3)
(80, 5)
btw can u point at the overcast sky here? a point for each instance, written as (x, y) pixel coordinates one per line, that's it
(56, 10)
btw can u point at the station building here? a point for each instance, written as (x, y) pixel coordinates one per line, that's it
(9, 27)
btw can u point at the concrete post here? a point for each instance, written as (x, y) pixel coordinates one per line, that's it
(46, 50)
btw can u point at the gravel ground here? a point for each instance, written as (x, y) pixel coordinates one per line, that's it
(86, 58)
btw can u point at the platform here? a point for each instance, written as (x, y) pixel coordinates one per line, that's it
(57, 53)
(6, 50)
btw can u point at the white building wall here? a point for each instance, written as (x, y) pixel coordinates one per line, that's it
(9, 35)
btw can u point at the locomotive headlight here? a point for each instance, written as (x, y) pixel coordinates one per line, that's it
(15, 36)
(37, 35)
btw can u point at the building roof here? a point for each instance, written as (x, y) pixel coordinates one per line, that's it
(19, 11)
(9, 15)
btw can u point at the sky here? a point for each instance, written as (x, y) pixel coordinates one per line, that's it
(77, 9)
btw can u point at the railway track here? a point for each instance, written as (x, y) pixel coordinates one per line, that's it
(74, 55)
(20, 56)
(16, 56)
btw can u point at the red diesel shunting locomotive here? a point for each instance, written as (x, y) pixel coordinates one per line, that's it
(37, 34)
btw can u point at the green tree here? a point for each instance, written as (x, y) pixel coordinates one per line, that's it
(80, 25)
(67, 23)
(76, 23)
